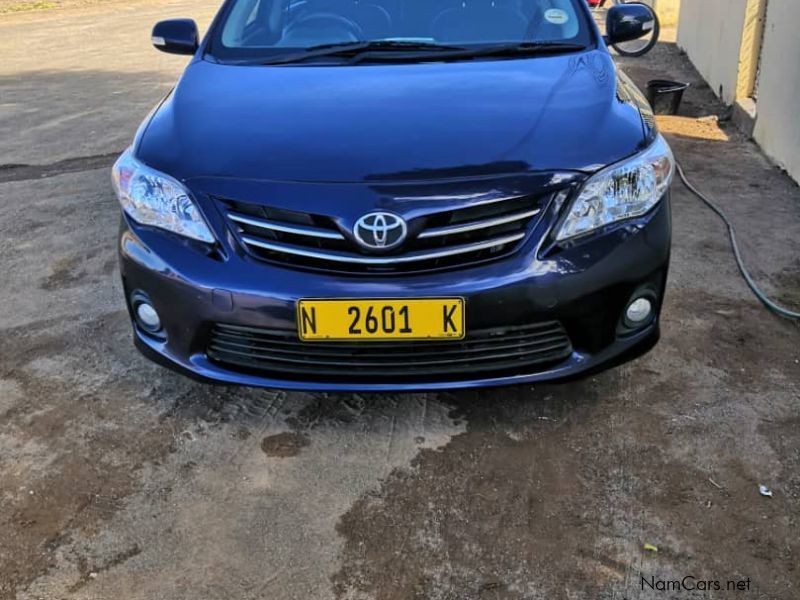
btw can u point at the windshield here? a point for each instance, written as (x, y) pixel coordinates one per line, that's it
(258, 30)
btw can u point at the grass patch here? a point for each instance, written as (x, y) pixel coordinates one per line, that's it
(26, 6)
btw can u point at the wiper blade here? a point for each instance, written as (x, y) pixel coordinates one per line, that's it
(408, 50)
(356, 48)
(388, 44)
(531, 48)
(505, 50)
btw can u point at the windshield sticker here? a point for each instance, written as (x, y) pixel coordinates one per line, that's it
(556, 16)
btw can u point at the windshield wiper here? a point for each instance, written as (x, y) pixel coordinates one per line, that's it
(529, 48)
(499, 50)
(412, 50)
(388, 44)
(356, 48)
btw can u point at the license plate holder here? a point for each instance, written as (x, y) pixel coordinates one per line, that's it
(381, 319)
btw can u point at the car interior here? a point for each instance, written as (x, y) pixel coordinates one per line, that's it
(305, 23)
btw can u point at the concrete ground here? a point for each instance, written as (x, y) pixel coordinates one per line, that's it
(121, 480)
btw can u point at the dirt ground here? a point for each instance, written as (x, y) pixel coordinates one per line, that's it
(19, 6)
(121, 480)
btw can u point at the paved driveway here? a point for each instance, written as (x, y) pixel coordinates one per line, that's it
(121, 480)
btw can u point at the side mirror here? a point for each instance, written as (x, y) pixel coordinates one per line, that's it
(176, 36)
(626, 22)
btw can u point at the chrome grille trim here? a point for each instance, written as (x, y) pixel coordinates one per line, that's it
(292, 229)
(387, 260)
(476, 225)
(480, 198)
(491, 227)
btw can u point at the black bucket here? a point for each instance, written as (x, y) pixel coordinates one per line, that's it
(665, 96)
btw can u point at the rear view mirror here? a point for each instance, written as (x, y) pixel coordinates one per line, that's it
(176, 36)
(626, 22)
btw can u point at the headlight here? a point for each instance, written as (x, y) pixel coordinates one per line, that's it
(152, 198)
(622, 191)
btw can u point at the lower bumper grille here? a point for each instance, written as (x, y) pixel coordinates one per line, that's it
(280, 354)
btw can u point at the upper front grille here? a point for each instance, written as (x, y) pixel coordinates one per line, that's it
(280, 354)
(446, 239)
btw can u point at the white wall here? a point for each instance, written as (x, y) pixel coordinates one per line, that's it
(721, 39)
(710, 31)
(778, 109)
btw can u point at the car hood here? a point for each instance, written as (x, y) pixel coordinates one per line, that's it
(393, 122)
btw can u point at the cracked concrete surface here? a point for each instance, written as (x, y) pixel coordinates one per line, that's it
(121, 480)
(18, 172)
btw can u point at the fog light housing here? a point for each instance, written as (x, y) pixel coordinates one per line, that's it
(146, 315)
(639, 312)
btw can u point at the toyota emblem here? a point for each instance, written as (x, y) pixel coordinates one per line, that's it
(380, 231)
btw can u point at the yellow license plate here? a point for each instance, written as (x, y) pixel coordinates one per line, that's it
(381, 320)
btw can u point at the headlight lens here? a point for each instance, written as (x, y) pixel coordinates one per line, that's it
(622, 191)
(153, 198)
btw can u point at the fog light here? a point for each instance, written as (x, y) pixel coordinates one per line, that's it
(638, 311)
(148, 317)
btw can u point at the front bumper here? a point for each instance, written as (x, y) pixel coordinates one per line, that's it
(585, 287)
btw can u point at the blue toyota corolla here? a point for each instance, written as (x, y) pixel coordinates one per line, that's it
(396, 194)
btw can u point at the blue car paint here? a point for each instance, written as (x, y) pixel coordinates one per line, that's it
(388, 122)
(410, 138)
